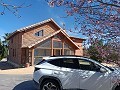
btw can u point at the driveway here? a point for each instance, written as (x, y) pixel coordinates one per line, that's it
(15, 78)
(18, 71)
(16, 82)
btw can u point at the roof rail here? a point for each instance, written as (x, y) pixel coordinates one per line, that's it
(68, 55)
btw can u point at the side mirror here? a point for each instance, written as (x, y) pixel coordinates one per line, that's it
(103, 70)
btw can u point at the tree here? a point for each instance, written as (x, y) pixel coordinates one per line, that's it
(96, 19)
(4, 46)
(105, 52)
(0, 49)
(5, 37)
(11, 7)
(113, 49)
(95, 53)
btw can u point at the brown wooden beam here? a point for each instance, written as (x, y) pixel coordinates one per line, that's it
(51, 46)
(32, 61)
(63, 47)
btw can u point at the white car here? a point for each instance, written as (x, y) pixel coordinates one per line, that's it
(75, 73)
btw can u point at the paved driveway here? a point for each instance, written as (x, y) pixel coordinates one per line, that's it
(16, 82)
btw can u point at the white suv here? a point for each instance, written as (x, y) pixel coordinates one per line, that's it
(75, 73)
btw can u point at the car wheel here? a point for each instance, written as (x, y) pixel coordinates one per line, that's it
(117, 88)
(49, 85)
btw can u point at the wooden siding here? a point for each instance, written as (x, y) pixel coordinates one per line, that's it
(80, 50)
(15, 44)
(29, 36)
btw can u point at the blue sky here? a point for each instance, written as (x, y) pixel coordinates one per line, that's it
(38, 12)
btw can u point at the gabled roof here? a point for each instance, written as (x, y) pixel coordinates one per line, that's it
(75, 39)
(34, 25)
(49, 36)
(34, 43)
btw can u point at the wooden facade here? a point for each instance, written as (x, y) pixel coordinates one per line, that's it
(45, 39)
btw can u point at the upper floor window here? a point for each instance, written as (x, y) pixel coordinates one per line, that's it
(39, 33)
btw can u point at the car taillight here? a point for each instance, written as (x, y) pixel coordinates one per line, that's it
(36, 69)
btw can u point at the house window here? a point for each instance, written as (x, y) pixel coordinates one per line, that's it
(68, 50)
(46, 44)
(42, 52)
(57, 44)
(39, 33)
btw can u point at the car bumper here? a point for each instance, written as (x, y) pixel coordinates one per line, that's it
(36, 85)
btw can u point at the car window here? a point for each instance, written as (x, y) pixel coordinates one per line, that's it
(70, 63)
(56, 62)
(88, 65)
(66, 62)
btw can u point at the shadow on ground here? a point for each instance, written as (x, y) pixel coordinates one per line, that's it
(26, 85)
(5, 65)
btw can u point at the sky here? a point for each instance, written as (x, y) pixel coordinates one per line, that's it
(37, 12)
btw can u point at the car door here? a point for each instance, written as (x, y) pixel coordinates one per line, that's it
(91, 78)
(69, 73)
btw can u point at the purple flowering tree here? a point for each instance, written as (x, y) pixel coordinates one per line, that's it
(98, 20)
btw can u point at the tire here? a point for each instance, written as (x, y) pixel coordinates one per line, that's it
(49, 85)
(117, 88)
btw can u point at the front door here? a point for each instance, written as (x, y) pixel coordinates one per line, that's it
(91, 78)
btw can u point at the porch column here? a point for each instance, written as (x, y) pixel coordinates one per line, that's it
(32, 61)
(23, 56)
(74, 52)
(63, 48)
(51, 46)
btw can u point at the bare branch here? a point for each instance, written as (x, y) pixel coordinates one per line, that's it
(96, 19)
(12, 8)
(110, 4)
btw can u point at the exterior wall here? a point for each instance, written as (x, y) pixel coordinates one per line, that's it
(27, 56)
(20, 55)
(15, 43)
(80, 50)
(29, 36)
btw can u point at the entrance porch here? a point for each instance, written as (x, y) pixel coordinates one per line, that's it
(56, 45)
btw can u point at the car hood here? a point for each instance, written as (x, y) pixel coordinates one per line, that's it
(115, 75)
